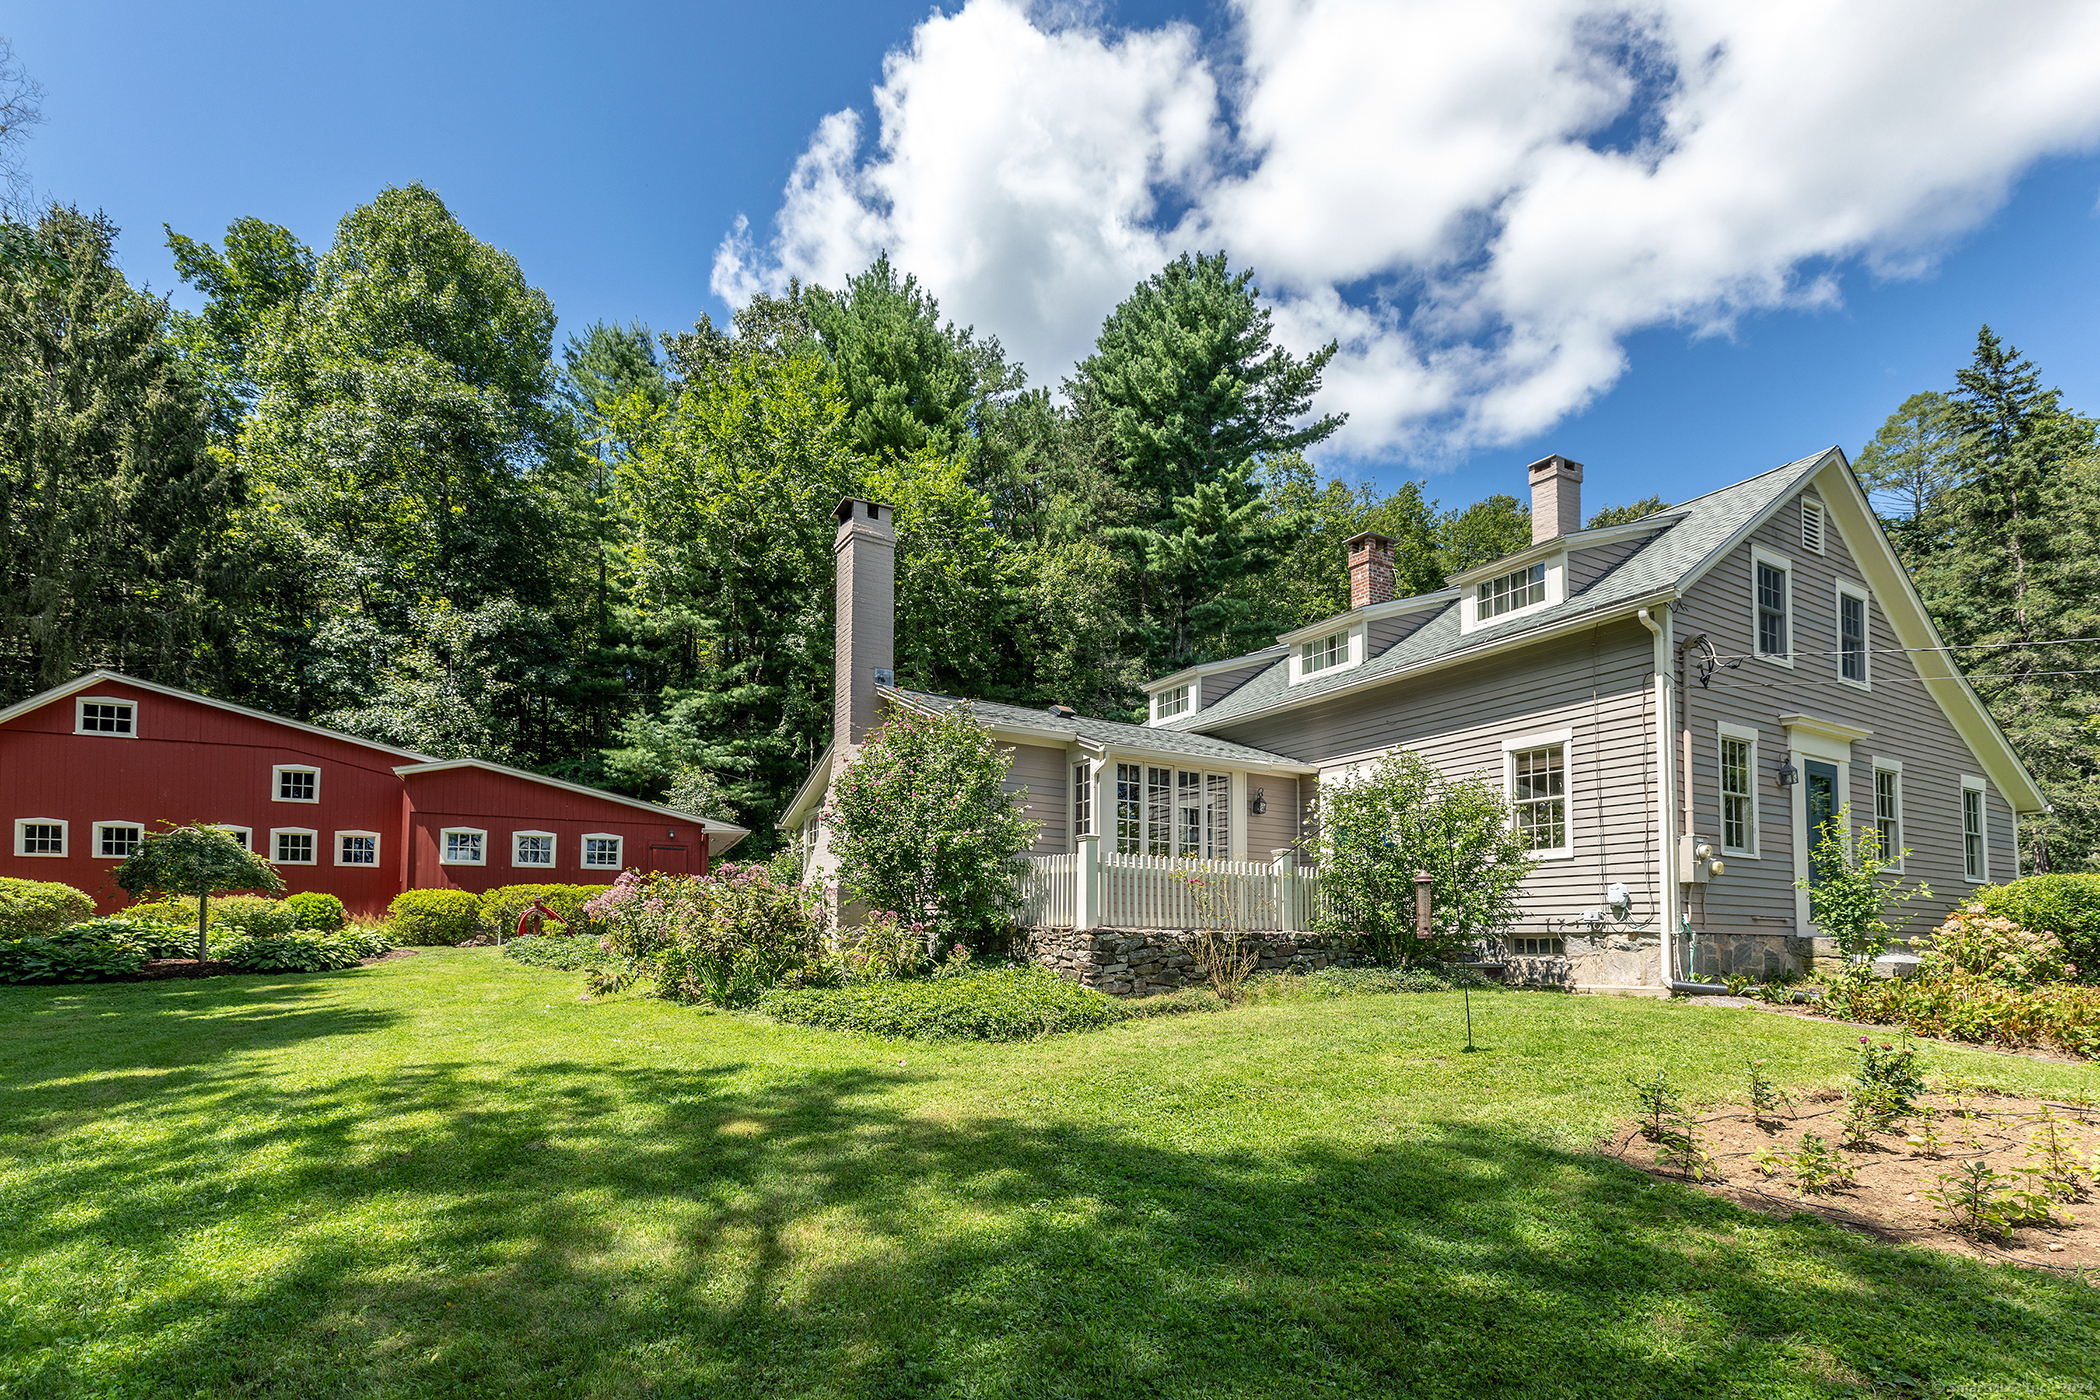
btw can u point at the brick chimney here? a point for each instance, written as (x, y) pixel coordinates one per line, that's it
(1556, 498)
(1370, 569)
(864, 650)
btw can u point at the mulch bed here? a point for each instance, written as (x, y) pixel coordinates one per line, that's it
(1887, 1197)
(171, 969)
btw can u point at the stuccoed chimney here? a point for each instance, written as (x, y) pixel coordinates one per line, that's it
(864, 649)
(1556, 498)
(1370, 569)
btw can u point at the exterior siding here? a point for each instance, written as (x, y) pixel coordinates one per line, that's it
(1277, 827)
(1597, 684)
(1586, 566)
(1041, 769)
(1906, 724)
(1382, 635)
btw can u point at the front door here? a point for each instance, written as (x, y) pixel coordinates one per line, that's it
(668, 859)
(1822, 799)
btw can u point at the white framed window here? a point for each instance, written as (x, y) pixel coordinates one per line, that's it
(106, 715)
(1323, 653)
(40, 836)
(1975, 833)
(1772, 607)
(601, 851)
(1082, 799)
(117, 840)
(243, 834)
(294, 783)
(1513, 591)
(1811, 525)
(1888, 810)
(535, 848)
(1171, 702)
(357, 848)
(1853, 658)
(293, 845)
(1535, 775)
(463, 845)
(1738, 756)
(1202, 821)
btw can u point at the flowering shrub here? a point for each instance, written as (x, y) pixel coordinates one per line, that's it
(1995, 949)
(1002, 1003)
(721, 938)
(885, 946)
(2066, 905)
(922, 823)
(1959, 1006)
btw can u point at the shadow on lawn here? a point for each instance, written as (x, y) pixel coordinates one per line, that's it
(571, 1229)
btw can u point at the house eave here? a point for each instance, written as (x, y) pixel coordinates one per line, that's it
(712, 827)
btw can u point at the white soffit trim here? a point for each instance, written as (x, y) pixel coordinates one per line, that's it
(711, 827)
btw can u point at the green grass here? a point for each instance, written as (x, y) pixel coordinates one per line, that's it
(446, 1176)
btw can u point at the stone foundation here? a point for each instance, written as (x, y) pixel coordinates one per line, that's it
(1759, 956)
(1144, 962)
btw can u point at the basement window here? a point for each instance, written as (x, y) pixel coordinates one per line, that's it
(1538, 947)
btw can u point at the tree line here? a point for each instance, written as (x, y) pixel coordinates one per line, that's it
(362, 487)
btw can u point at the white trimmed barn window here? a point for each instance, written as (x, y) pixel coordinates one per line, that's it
(601, 851)
(463, 845)
(292, 846)
(94, 714)
(297, 784)
(532, 848)
(40, 836)
(357, 848)
(117, 840)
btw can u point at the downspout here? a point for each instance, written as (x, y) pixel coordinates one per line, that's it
(1666, 811)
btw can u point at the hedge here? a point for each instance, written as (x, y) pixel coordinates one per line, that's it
(2061, 1016)
(499, 908)
(432, 918)
(247, 913)
(1006, 1003)
(40, 906)
(322, 913)
(2066, 905)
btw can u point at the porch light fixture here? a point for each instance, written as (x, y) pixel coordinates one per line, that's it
(1788, 774)
(1258, 804)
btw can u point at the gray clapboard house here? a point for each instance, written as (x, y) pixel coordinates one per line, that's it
(1706, 684)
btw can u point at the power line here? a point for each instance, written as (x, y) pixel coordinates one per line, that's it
(1899, 651)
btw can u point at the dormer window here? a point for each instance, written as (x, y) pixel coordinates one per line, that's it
(1519, 588)
(1171, 702)
(1323, 654)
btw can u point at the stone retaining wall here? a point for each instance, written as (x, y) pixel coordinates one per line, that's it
(1144, 962)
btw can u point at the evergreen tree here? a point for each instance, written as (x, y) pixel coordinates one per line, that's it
(1909, 467)
(118, 548)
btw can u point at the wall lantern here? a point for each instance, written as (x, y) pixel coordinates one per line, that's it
(1259, 803)
(1788, 774)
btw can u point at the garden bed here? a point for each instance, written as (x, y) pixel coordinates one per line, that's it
(174, 969)
(1888, 1196)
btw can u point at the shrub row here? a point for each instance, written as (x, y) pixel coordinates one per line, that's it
(309, 951)
(121, 946)
(442, 918)
(1005, 1003)
(40, 906)
(1957, 1006)
(2065, 905)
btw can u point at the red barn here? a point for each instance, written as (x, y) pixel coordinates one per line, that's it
(89, 767)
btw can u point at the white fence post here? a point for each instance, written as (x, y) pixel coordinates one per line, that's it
(1285, 867)
(1087, 914)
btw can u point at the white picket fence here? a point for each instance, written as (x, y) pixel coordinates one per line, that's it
(1091, 888)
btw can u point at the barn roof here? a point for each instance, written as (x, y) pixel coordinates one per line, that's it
(712, 827)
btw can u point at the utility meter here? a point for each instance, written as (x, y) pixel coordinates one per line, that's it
(1697, 862)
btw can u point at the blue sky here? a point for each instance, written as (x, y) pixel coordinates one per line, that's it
(611, 150)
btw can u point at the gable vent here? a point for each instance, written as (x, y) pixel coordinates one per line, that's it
(1812, 526)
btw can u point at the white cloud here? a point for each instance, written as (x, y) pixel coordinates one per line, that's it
(1479, 198)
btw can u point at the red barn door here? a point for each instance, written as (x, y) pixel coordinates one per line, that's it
(669, 859)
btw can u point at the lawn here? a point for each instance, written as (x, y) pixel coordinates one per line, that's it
(445, 1175)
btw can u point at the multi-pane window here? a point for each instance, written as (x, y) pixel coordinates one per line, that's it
(116, 840)
(40, 838)
(1771, 610)
(1188, 815)
(532, 848)
(1173, 702)
(298, 785)
(1974, 863)
(1538, 947)
(1852, 637)
(601, 852)
(1082, 800)
(464, 846)
(1738, 799)
(1159, 811)
(1130, 808)
(293, 848)
(356, 848)
(1888, 812)
(1327, 652)
(105, 717)
(1520, 588)
(1539, 795)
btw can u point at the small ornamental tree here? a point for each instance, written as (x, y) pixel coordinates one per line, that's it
(923, 826)
(1377, 829)
(195, 860)
(1852, 892)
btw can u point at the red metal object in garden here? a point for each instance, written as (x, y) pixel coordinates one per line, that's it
(541, 911)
